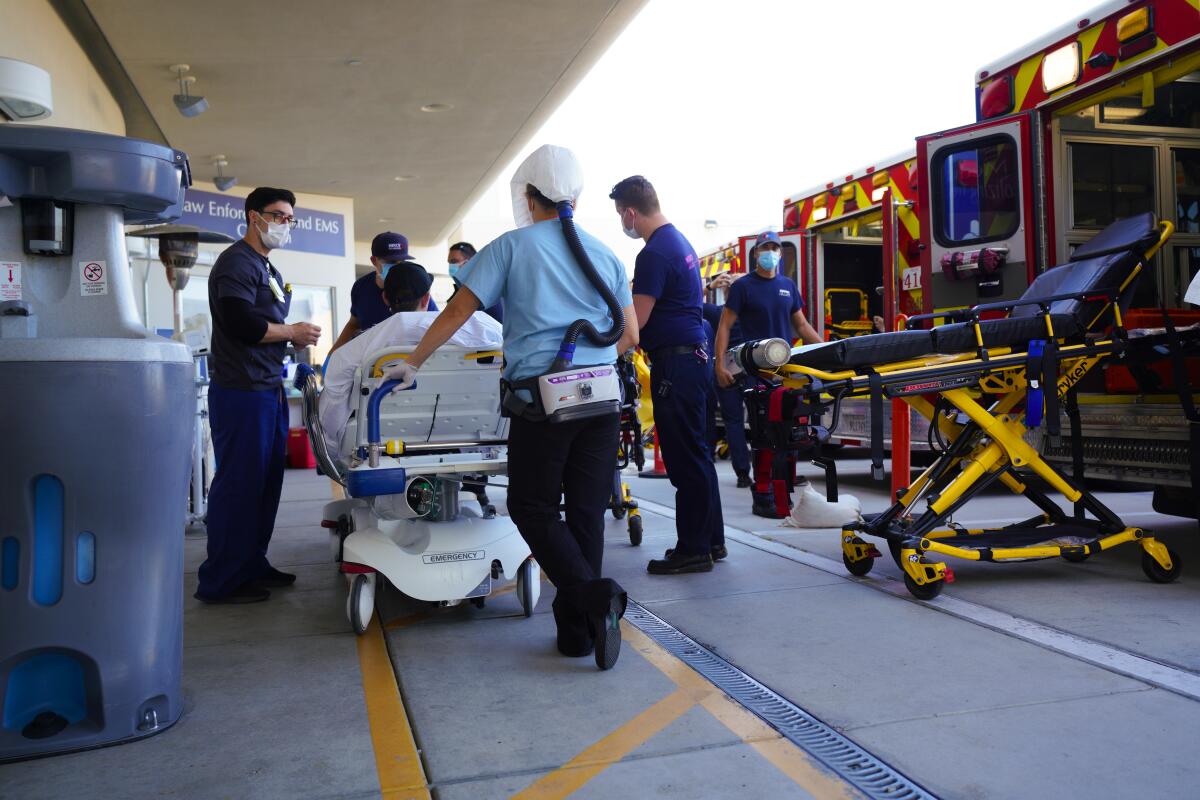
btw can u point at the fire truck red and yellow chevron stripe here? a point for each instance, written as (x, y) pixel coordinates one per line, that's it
(1108, 46)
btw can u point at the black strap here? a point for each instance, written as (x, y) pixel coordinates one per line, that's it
(876, 383)
(1050, 382)
(1076, 446)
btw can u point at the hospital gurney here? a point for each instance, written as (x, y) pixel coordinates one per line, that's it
(982, 383)
(403, 460)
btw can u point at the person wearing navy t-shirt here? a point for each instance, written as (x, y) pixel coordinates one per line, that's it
(766, 305)
(667, 299)
(367, 306)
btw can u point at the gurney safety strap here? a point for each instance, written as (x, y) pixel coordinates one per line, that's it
(1041, 374)
(876, 383)
(1033, 377)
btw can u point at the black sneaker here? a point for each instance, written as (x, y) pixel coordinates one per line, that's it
(606, 627)
(678, 563)
(246, 593)
(274, 579)
(744, 481)
(764, 506)
(718, 553)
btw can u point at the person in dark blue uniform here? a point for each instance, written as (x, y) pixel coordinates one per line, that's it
(729, 400)
(667, 299)
(460, 254)
(367, 308)
(248, 412)
(765, 305)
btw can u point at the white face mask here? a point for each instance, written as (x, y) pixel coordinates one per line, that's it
(276, 235)
(630, 232)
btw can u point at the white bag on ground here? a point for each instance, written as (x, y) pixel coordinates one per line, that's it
(812, 510)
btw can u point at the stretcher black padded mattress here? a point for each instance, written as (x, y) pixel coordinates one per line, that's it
(1104, 263)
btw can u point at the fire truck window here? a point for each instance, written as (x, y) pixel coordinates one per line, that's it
(977, 192)
(1176, 105)
(1110, 182)
(1187, 263)
(790, 261)
(1187, 191)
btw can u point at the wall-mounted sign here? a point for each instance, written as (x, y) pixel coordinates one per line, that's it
(317, 231)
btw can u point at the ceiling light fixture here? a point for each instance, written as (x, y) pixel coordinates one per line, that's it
(188, 104)
(404, 178)
(433, 108)
(353, 62)
(223, 182)
(24, 91)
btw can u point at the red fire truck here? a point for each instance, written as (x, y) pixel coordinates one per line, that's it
(1097, 120)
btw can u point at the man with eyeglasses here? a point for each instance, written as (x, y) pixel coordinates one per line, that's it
(248, 411)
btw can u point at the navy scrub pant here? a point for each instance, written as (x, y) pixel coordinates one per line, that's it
(249, 432)
(733, 417)
(679, 386)
(572, 461)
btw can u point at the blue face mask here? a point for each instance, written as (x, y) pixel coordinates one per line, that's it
(454, 267)
(769, 260)
(383, 270)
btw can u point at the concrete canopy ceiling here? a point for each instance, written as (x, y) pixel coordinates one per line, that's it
(287, 107)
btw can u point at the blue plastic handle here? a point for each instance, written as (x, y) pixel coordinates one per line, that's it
(302, 373)
(382, 391)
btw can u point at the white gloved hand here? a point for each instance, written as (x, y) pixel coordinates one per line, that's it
(404, 372)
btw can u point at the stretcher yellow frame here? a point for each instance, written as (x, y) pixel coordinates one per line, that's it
(994, 452)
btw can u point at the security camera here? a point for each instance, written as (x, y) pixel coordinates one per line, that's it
(222, 181)
(189, 104)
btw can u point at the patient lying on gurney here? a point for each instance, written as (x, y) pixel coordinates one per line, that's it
(406, 292)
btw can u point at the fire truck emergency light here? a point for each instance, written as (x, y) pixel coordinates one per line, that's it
(880, 183)
(1060, 67)
(1133, 24)
(996, 99)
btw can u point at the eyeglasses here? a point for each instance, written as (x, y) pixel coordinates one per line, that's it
(280, 218)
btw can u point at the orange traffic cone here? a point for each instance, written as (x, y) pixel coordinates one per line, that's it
(660, 470)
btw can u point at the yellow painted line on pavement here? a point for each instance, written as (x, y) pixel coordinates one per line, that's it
(397, 760)
(789, 759)
(612, 748)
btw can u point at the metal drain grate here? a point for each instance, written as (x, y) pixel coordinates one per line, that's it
(852, 763)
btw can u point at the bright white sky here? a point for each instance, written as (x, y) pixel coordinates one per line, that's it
(729, 106)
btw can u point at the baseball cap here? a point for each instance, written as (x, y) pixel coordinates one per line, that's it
(389, 246)
(767, 236)
(407, 280)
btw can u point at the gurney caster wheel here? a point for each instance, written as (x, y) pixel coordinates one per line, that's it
(528, 581)
(923, 591)
(858, 568)
(635, 529)
(1156, 573)
(360, 605)
(1075, 556)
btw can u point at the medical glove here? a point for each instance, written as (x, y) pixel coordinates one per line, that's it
(404, 372)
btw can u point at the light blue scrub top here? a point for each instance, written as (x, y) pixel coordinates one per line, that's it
(544, 290)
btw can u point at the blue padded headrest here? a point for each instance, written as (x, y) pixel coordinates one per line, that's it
(1132, 234)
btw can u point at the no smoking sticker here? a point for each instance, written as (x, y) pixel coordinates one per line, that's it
(10, 280)
(93, 278)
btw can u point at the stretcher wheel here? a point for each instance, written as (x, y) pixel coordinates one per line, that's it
(1077, 557)
(360, 605)
(924, 591)
(528, 578)
(617, 501)
(858, 568)
(479, 602)
(1156, 573)
(635, 530)
(894, 548)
